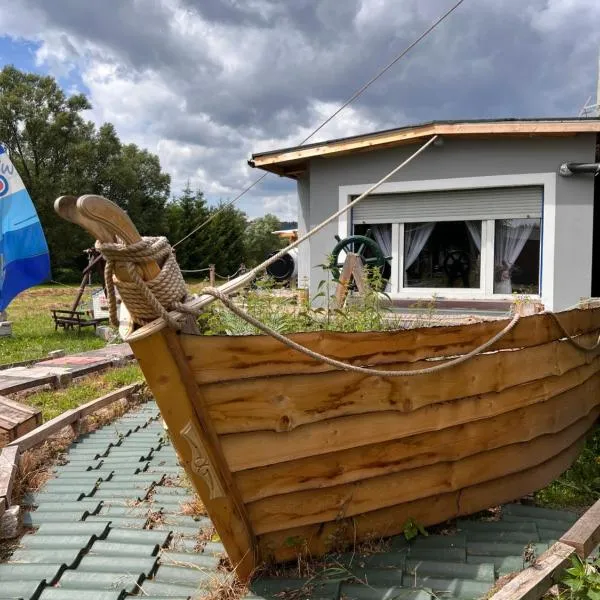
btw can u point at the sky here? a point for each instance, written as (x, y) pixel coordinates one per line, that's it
(206, 83)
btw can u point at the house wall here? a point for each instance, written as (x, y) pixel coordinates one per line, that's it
(569, 221)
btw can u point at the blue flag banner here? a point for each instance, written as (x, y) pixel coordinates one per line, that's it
(24, 258)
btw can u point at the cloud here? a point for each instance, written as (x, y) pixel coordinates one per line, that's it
(207, 82)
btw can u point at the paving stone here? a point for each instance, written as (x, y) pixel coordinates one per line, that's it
(457, 588)
(478, 572)
(356, 591)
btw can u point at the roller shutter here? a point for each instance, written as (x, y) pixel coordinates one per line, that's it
(451, 205)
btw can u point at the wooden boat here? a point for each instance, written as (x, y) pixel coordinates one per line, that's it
(290, 455)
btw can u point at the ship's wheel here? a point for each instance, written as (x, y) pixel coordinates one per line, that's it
(457, 265)
(363, 245)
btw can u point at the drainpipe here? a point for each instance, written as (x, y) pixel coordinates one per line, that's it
(574, 168)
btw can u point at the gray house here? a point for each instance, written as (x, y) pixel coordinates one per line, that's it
(483, 213)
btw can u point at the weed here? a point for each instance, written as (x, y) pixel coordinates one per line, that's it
(582, 579)
(580, 485)
(411, 529)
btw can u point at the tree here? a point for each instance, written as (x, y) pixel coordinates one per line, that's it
(57, 152)
(224, 237)
(259, 240)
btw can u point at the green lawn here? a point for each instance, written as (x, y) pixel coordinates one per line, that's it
(33, 329)
(56, 402)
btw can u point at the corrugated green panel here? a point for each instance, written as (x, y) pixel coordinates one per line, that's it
(21, 589)
(268, 587)
(86, 504)
(213, 548)
(478, 572)
(502, 564)
(152, 589)
(62, 542)
(536, 512)
(84, 528)
(357, 591)
(189, 531)
(58, 486)
(80, 594)
(173, 504)
(109, 510)
(133, 536)
(201, 578)
(84, 475)
(457, 588)
(491, 548)
(37, 499)
(524, 537)
(149, 478)
(378, 560)
(132, 484)
(124, 564)
(458, 540)
(165, 490)
(101, 581)
(115, 549)
(121, 522)
(30, 572)
(108, 495)
(55, 556)
(179, 544)
(189, 559)
(443, 554)
(471, 526)
(39, 517)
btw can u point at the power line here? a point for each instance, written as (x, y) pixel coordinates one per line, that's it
(332, 116)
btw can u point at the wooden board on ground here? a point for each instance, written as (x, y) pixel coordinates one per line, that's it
(16, 419)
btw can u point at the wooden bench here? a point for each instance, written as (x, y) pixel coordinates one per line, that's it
(69, 319)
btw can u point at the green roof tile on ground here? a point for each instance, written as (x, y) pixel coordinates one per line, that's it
(540, 522)
(502, 564)
(143, 536)
(472, 526)
(30, 572)
(166, 491)
(117, 549)
(188, 559)
(147, 477)
(395, 559)
(357, 591)
(101, 581)
(458, 540)
(82, 594)
(121, 522)
(152, 589)
(123, 564)
(213, 548)
(88, 504)
(134, 495)
(493, 548)
(69, 487)
(198, 577)
(133, 484)
(272, 586)
(524, 510)
(478, 572)
(523, 537)
(100, 530)
(67, 557)
(458, 588)
(39, 517)
(109, 510)
(38, 498)
(63, 542)
(547, 535)
(179, 544)
(448, 554)
(20, 589)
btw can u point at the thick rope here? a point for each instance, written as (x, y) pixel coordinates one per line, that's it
(571, 339)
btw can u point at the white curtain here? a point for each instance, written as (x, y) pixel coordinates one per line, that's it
(415, 238)
(511, 237)
(383, 237)
(474, 229)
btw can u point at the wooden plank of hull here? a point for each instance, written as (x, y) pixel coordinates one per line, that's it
(177, 395)
(223, 358)
(450, 444)
(319, 539)
(256, 449)
(347, 500)
(282, 403)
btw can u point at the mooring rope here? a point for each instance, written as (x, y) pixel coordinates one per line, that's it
(571, 339)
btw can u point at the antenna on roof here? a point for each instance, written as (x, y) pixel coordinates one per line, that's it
(593, 110)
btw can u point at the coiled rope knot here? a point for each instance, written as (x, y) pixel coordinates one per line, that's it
(145, 300)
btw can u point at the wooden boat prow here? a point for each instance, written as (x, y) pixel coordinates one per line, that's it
(290, 455)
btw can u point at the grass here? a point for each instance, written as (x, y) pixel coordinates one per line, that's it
(579, 487)
(33, 328)
(56, 402)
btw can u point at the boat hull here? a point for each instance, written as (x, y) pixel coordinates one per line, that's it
(290, 455)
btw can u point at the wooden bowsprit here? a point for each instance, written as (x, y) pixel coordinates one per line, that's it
(353, 269)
